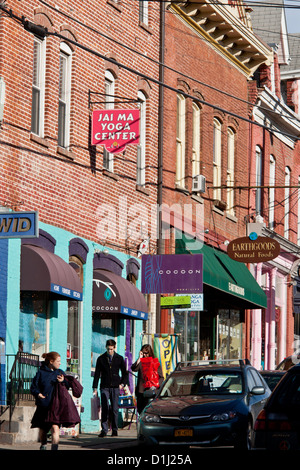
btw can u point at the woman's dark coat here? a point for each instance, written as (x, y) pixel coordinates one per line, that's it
(58, 406)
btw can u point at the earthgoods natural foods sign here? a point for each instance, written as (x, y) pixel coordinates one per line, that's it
(259, 250)
(116, 128)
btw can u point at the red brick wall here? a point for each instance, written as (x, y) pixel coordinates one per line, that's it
(67, 191)
(196, 59)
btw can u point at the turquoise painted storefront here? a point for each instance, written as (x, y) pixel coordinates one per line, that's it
(57, 331)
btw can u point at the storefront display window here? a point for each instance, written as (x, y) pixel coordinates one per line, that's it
(33, 324)
(229, 337)
(102, 330)
(195, 334)
(73, 345)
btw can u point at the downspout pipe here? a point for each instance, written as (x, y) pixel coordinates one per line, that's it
(160, 151)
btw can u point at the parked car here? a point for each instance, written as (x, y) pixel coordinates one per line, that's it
(288, 362)
(277, 426)
(272, 377)
(205, 405)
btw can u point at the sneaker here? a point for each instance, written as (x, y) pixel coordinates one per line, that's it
(114, 433)
(102, 434)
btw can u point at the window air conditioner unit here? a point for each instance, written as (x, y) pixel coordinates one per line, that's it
(199, 182)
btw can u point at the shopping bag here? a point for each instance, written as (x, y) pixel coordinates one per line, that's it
(95, 408)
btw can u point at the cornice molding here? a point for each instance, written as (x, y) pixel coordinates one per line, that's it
(225, 33)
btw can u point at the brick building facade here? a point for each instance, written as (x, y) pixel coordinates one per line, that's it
(60, 61)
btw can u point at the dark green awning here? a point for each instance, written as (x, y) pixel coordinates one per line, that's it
(229, 276)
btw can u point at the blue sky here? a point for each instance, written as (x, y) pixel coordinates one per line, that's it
(293, 17)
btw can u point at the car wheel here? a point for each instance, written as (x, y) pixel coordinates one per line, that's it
(245, 443)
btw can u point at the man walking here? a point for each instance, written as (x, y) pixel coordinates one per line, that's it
(108, 368)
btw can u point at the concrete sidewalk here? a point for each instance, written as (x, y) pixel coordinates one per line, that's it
(127, 438)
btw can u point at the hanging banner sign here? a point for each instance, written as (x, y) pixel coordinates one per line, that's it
(166, 350)
(116, 128)
(253, 250)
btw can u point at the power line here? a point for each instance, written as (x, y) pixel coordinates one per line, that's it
(43, 32)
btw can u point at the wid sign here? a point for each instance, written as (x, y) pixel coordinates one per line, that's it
(259, 250)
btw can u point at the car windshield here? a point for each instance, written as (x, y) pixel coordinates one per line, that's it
(203, 383)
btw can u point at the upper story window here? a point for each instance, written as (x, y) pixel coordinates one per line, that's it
(258, 180)
(180, 141)
(196, 141)
(64, 101)
(287, 183)
(230, 170)
(38, 87)
(108, 157)
(141, 149)
(144, 12)
(272, 193)
(217, 168)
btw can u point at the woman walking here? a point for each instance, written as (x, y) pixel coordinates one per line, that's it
(145, 352)
(44, 387)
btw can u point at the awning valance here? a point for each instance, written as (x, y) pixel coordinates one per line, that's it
(232, 277)
(46, 272)
(113, 294)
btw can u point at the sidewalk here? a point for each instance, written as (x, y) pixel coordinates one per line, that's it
(126, 438)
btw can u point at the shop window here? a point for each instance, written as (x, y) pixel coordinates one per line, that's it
(229, 337)
(74, 318)
(194, 330)
(102, 330)
(33, 326)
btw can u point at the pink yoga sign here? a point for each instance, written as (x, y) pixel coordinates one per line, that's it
(116, 128)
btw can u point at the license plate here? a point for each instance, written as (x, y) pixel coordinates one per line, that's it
(183, 433)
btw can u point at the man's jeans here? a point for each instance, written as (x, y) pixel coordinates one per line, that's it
(109, 395)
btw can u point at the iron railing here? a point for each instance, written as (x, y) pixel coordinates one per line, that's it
(20, 369)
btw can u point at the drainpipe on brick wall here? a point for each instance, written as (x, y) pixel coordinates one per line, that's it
(160, 316)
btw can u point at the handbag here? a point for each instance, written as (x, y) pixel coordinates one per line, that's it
(95, 408)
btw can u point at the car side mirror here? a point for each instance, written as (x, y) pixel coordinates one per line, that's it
(258, 390)
(150, 393)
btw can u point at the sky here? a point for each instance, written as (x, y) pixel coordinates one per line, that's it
(293, 17)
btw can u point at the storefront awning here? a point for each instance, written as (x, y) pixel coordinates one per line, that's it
(46, 272)
(112, 294)
(231, 277)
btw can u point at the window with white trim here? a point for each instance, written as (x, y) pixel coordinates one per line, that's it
(108, 157)
(144, 12)
(287, 182)
(272, 193)
(38, 87)
(196, 141)
(64, 101)
(217, 160)
(230, 170)
(141, 149)
(180, 141)
(258, 180)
